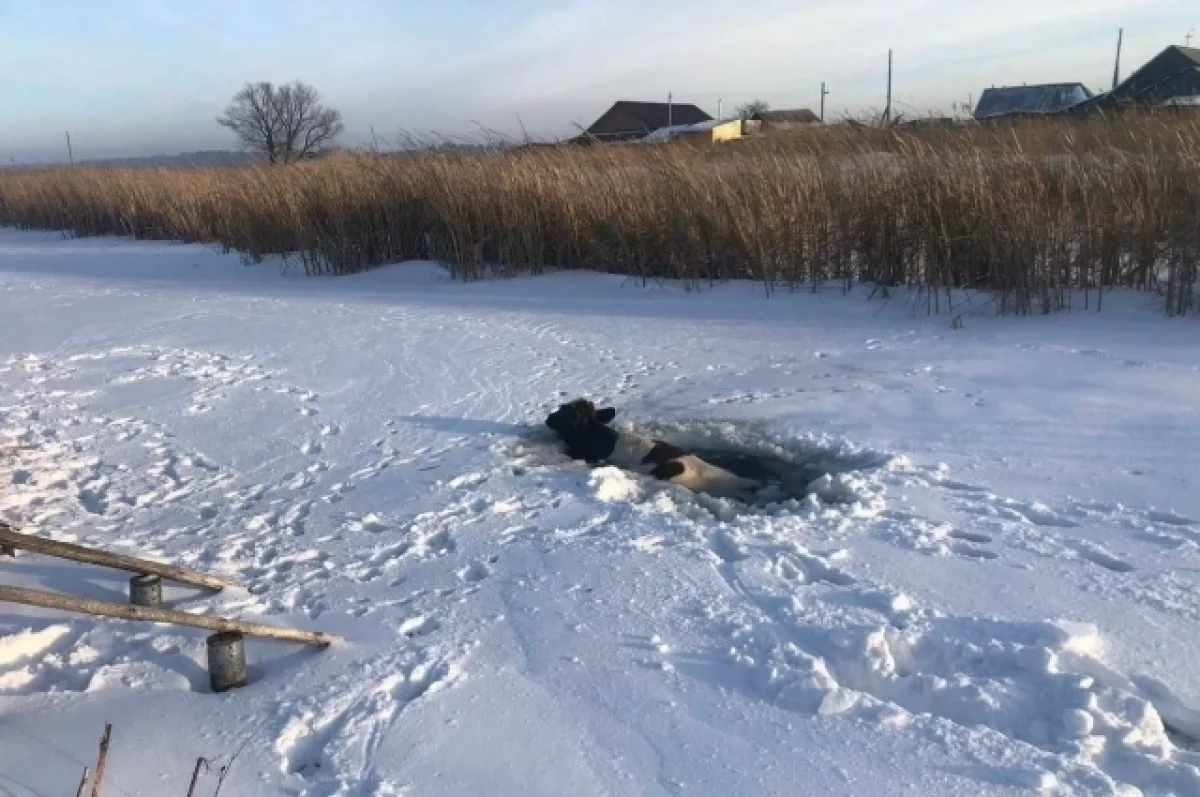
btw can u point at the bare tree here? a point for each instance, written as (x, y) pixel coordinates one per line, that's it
(283, 123)
(753, 108)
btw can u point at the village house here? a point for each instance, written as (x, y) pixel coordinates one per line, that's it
(1039, 100)
(1170, 78)
(628, 120)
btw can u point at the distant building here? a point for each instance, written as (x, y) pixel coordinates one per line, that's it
(929, 122)
(1170, 78)
(1049, 98)
(710, 132)
(628, 120)
(785, 118)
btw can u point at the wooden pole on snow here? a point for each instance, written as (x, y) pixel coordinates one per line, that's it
(98, 780)
(200, 762)
(124, 611)
(78, 553)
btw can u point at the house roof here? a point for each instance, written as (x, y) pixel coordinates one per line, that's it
(1189, 55)
(628, 118)
(795, 115)
(1190, 52)
(1176, 69)
(1046, 98)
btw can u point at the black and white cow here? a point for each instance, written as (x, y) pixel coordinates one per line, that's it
(589, 437)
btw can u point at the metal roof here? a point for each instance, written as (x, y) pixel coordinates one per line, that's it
(1047, 98)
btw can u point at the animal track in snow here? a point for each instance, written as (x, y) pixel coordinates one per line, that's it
(1098, 555)
(1031, 683)
(973, 552)
(475, 571)
(1020, 511)
(970, 536)
(419, 626)
(87, 656)
(338, 744)
(94, 467)
(370, 523)
(802, 567)
(213, 374)
(1170, 518)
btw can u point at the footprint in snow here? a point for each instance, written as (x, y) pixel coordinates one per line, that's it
(973, 552)
(970, 536)
(1170, 518)
(1099, 556)
(476, 571)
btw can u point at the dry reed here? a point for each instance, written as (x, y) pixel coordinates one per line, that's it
(1032, 211)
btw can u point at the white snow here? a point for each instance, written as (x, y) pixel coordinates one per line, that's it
(976, 575)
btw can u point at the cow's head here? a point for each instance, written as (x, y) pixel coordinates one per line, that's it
(584, 429)
(579, 416)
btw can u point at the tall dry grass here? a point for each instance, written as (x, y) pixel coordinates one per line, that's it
(1033, 212)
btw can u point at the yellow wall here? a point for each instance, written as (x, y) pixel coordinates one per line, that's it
(727, 131)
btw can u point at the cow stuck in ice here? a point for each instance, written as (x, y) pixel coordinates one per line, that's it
(589, 437)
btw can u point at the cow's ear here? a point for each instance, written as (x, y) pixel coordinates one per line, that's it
(606, 415)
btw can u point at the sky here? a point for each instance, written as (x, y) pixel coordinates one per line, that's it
(144, 77)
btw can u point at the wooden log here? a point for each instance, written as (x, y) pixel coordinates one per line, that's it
(91, 556)
(125, 611)
(201, 762)
(98, 781)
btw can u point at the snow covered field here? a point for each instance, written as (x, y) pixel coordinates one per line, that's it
(994, 591)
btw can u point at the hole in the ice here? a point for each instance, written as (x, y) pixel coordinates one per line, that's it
(790, 466)
(1181, 738)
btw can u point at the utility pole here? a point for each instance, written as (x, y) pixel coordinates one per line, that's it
(1117, 66)
(824, 94)
(887, 111)
(70, 152)
(720, 115)
(670, 107)
(1187, 40)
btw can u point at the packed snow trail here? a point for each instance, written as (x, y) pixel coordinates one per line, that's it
(989, 586)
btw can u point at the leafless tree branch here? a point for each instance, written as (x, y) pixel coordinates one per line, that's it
(753, 108)
(284, 123)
